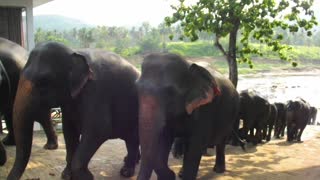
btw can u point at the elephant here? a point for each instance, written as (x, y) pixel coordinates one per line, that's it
(98, 98)
(3, 156)
(178, 98)
(254, 111)
(297, 117)
(270, 122)
(12, 59)
(313, 115)
(280, 123)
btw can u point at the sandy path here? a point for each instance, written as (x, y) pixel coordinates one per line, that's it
(274, 160)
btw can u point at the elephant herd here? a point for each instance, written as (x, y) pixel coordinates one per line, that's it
(259, 117)
(171, 103)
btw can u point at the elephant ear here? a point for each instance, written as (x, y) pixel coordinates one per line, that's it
(203, 88)
(80, 74)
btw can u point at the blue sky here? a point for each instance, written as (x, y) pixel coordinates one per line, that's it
(110, 12)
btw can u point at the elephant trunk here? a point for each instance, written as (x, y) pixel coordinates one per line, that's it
(151, 122)
(23, 127)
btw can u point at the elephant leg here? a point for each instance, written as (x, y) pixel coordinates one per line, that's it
(1, 128)
(88, 145)
(277, 131)
(264, 132)
(161, 167)
(71, 137)
(299, 134)
(258, 136)
(9, 139)
(132, 157)
(145, 171)
(192, 159)
(3, 155)
(46, 123)
(269, 133)
(283, 127)
(252, 132)
(220, 165)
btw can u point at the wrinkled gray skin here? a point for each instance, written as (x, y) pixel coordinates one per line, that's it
(297, 118)
(177, 99)
(270, 122)
(13, 58)
(280, 123)
(254, 111)
(98, 98)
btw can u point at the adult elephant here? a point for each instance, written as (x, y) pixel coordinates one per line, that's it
(280, 123)
(98, 98)
(181, 99)
(254, 111)
(3, 156)
(270, 122)
(12, 59)
(297, 118)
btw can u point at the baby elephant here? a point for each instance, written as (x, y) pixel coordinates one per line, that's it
(297, 117)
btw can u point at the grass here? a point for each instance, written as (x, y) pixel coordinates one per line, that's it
(193, 49)
(204, 50)
(303, 55)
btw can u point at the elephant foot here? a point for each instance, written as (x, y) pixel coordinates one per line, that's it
(66, 174)
(125, 159)
(219, 168)
(268, 139)
(127, 171)
(167, 175)
(9, 140)
(51, 146)
(82, 174)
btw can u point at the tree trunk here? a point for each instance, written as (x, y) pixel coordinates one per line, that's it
(231, 56)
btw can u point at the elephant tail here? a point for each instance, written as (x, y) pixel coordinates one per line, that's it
(239, 140)
(179, 147)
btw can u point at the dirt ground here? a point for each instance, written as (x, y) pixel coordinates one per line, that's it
(274, 160)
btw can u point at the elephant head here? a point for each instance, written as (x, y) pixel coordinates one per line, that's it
(169, 88)
(53, 76)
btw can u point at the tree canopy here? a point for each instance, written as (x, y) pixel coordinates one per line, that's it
(251, 20)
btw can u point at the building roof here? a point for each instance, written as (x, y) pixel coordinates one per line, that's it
(40, 2)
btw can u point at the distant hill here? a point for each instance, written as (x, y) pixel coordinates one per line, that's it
(60, 23)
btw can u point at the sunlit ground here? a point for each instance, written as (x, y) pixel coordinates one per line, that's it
(274, 160)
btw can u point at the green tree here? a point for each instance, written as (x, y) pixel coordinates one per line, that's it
(253, 18)
(86, 37)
